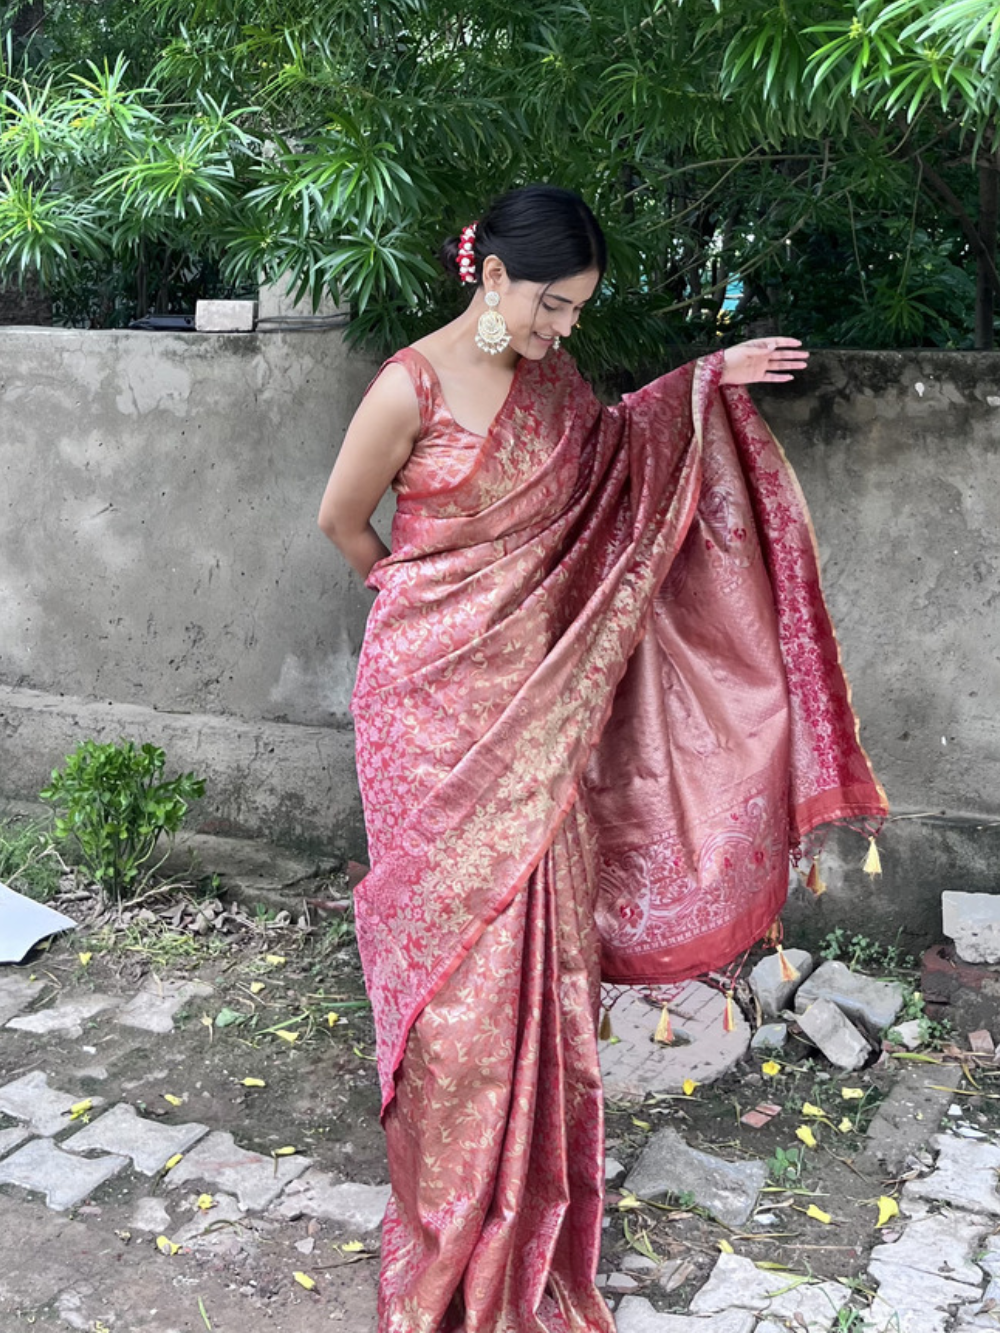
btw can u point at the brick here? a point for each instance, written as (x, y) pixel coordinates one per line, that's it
(149, 1143)
(67, 1018)
(256, 1180)
(45, 1109)
(152, 1009)
(65, 1180)
(317, 1194)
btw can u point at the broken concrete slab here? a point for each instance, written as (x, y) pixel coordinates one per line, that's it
(703, 1050)
(972, 922)
(25, 922)
(965, 1175)
(910, 1114)
(16, 993)
(909, 1301)
(636, 1315)
(149, 1143)
(46, 1110)
(772, 990)
(153, 1008)
(206, 1222)
(941, 1244)
(67, 1018)
(317, 1194)
(728, 1190)
(65, 1180)
(737, 1283)
(834, 1034)
(151, 1215)
(873, 1005)
(254, 1179)
(909, 1034)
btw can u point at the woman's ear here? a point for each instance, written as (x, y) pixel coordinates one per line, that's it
(494, 273)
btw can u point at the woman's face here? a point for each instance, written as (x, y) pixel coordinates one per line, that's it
(537, 312)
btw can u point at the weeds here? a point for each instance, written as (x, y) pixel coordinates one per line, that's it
(29, 862)
(786, 1166)
(861, 951)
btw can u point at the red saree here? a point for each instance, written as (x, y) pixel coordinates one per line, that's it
(599, 697)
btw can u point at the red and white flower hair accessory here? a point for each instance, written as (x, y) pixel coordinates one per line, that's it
(466, 254)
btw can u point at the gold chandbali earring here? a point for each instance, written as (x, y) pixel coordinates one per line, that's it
(491, 331)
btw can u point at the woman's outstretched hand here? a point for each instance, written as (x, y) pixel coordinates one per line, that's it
(763, 360)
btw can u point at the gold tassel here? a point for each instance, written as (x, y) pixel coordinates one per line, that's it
(773, 935)
(664, 1032)
(873, 862)
(788, 972)
(729, 1022)
(604, 1032)
(815, 882)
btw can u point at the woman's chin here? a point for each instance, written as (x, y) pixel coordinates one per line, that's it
(536, 347)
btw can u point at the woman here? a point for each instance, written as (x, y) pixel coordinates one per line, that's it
(598, 697)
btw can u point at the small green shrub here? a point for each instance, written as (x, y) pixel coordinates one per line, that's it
(110, 800)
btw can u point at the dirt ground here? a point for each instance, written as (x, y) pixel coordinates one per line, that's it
(272, 982)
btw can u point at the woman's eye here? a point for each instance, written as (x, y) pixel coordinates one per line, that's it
(552, 309)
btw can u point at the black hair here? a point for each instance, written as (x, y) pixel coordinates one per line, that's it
(542, 234)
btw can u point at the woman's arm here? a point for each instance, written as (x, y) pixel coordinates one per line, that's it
(378, 442)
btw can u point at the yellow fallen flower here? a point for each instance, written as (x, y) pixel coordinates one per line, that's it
(805, 1134)
(171, 1162)
(689, 1086)
(85, 957)
(275, 959)
(284, 1152)
(352, 1246)
(852, 1094)
(81, 1108)
(205, 1201)
(769, 1068)
(166, 1246)
(642, 1124)
(332, 1018)
(887, 1208)
(818, 1215)
(285, 1035)
(809, 1109)
(256, 987)
(846, 1125)
(174, 1101)
(304, 1280)
(254, 1083)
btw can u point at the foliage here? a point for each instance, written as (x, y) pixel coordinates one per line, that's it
(29, 863)
(815, 161)
(864, 952)
(112, 804)
(786, 1166)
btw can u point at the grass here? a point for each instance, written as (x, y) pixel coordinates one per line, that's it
(29, 862)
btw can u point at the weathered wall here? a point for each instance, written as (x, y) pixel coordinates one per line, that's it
(158, 550)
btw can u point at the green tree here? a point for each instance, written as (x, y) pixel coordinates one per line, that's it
(740, 145)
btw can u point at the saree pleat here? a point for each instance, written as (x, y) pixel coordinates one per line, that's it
(495, 1135)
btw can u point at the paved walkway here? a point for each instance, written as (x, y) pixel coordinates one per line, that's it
(167, 1192)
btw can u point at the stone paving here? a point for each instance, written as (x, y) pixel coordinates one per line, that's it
(936, 1271)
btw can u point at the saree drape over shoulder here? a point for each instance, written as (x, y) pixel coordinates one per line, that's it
(599, 699)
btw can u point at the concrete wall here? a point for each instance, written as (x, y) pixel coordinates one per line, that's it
(159, 551)
(161, 575)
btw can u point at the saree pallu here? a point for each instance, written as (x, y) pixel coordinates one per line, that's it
(599, 695)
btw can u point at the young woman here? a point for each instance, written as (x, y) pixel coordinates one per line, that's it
(599, 699)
